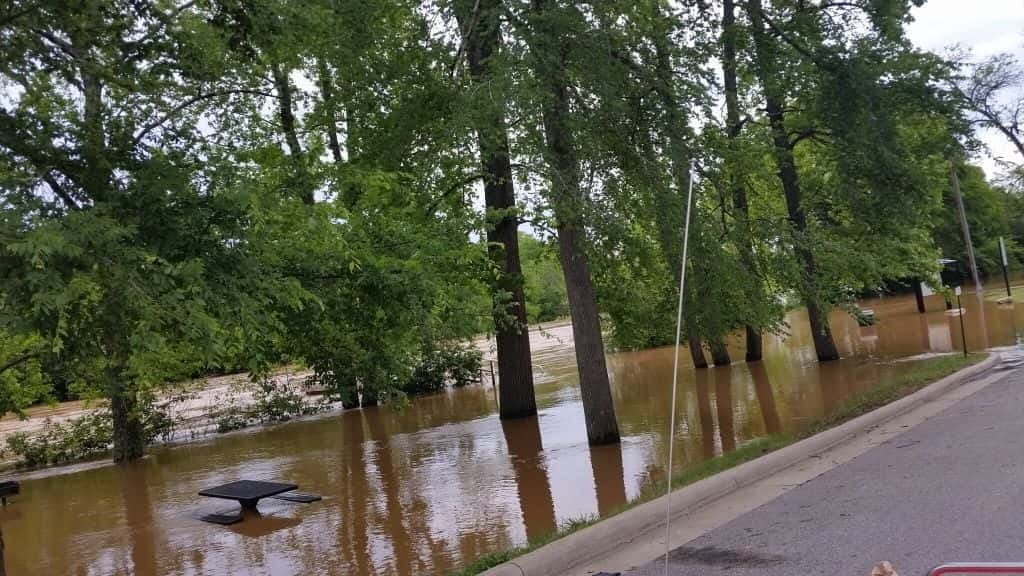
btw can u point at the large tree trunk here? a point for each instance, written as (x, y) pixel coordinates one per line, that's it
(739, 192)
(598, 408)
(824, 345)
(3, 569)
(129, 441)
(697, 353)
(567, 199)
(719, 353)
(515, 367)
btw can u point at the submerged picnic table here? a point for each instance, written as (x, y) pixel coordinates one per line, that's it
(248, 493)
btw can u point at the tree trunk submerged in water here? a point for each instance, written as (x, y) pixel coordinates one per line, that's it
(548, 46)
(697, 353)
(598, 408)
(129, 440)
(824, 345)
(515, 367)
(719, 353)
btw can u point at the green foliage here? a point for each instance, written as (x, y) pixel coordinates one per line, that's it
(273, 400)
(990, 213)
(22, 381)
(231, 185)
(447, 365)
(544, 283)
(80, 438)
(60, 443)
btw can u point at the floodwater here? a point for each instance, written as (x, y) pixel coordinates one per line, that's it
(428, 490)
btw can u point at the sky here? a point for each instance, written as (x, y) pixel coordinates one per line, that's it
(984, 27)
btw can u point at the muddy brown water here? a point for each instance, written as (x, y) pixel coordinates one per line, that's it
(427, 490)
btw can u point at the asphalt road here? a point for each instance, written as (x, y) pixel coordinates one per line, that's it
(948, 490)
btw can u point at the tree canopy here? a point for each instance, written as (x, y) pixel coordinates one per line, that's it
(188, 187)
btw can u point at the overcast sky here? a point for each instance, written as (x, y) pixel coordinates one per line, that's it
(985, 27)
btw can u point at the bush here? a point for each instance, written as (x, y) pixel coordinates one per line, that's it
(60, 443)
(274, 401)
(82, 438)
(448, 365)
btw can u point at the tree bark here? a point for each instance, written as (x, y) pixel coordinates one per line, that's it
(515, 367)
(719, 353)
(739, 193)
(598, 408)
(129, 441)
(824, 344)
(568, 200)
(697, 353)
(330, 110)
(287, 118)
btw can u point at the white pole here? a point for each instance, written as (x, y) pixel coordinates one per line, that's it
(675, 373)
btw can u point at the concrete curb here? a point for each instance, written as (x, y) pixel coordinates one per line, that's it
(604, 537)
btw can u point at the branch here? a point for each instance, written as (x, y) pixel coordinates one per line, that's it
(8, 18)
(794, 44)
(18, 360)
(63, 45)
(452, 189)
(827, 5)
(44, 156)
(810, 133)
(462, 42)
(538, 225)
(59, 191)
(188, 103)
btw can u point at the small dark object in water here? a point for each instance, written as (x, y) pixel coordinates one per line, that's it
(9, 488)
(248, 492)
(300, 497)
(222, 519)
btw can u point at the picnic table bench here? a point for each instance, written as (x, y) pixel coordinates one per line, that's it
(248, 493)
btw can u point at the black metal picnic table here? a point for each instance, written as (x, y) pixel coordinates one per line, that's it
(248, 493)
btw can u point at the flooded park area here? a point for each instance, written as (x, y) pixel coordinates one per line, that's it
(428, 489)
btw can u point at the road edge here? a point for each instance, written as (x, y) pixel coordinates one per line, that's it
(604, 537)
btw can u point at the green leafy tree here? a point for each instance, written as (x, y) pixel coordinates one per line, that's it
(114, 248)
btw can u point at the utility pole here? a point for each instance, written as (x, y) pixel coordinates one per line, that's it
(965, 228)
